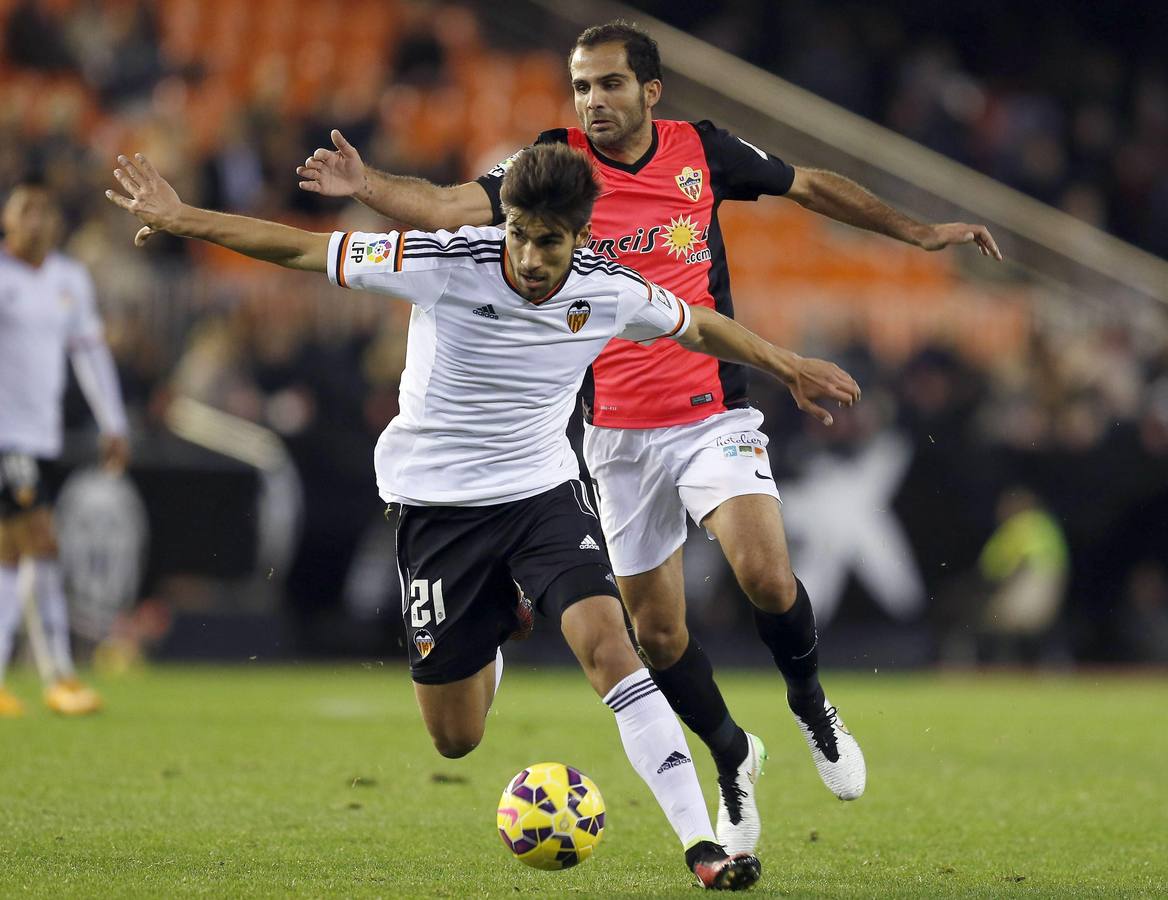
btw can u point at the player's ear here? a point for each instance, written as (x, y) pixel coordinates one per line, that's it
(583, 235)
(651, 92)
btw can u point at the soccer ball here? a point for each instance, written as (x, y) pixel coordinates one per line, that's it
(551, 816)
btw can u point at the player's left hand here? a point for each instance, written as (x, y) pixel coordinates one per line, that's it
(151, 198)
(818, 379)
(939, 237)
(115, 453)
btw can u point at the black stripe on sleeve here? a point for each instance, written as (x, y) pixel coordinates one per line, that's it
(342, 244)
(477, 257)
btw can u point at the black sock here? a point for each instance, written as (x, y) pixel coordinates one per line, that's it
(794, 643)
(689, 687)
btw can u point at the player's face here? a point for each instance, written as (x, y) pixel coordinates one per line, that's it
(613, 107)
(30, 222)
(539, 253)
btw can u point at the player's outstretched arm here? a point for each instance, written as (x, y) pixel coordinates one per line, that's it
(845, 201)
(155, 203)
(808, 380)
(410, 201)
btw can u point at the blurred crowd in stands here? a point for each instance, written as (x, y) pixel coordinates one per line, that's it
(1066, 101)
(1079, 421)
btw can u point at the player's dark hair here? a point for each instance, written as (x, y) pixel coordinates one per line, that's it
(640, 50)
(552, 182)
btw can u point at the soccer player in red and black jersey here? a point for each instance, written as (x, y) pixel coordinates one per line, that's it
(669, 432)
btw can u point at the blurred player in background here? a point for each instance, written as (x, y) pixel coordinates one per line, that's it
(47, 311)
(665, 430)
(482, 484)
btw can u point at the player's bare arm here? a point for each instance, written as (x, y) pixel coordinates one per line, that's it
(808, 380)
(845, 201)
(115, 452)
(410, 201)
(157, 205)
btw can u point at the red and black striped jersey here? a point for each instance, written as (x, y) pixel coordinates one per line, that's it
(659, 216)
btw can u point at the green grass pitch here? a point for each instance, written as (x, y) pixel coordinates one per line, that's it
(319, 781)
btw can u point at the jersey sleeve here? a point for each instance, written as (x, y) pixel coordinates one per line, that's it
(647, 311)
(410, 265)
(492, 180)
(738, 169)
(84, 323)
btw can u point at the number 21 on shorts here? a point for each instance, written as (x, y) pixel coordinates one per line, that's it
(425, 596)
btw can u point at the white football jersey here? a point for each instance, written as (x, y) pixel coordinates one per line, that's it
(45, 313)
(490, 378)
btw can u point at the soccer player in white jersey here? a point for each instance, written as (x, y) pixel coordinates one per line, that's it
(46, 312)
(659, 448)
(482, 484)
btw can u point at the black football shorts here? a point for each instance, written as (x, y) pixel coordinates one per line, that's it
(25, 483)
(461, 568)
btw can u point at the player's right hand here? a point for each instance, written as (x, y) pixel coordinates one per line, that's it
(333, 173)
(115, 453)
(818, 379)
(152, 199)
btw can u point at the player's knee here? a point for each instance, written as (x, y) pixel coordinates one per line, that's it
(608, 659)
(661, 640)
(455, 745)
(770, 588)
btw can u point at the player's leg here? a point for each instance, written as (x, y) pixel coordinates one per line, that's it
(656, 604)
(750, 529)
(561, 564)
(455, 714)
(653, 740)
(725, 481)
(645, 526)
(65, 693)
(31, 483)
(10, 705)
(458, 606)
(38, 543)
(680, 667)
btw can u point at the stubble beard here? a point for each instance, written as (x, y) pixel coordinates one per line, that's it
(617, 140)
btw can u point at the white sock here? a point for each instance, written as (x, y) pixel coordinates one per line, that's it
(9, 615)
(498, 669)
(50, 593)
(657, 749)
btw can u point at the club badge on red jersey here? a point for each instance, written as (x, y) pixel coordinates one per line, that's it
(690, 182)
(578, 314)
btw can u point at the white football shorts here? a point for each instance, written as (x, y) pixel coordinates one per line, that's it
(649, 478)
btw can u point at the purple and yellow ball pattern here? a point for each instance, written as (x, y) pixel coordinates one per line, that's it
(551, 816)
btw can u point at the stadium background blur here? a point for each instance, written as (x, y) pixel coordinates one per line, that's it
(984, 394)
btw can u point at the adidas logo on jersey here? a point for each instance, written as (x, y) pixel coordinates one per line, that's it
(589, 543)
(675, 759)
(487, 312)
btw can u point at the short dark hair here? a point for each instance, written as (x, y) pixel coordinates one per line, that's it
(552, 182)
(640, 50)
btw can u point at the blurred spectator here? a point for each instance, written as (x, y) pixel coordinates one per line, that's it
(1006, 608)
(1068, 103)
(1144, 616)
(117, 46)
(1025, 566)
(34, 37)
